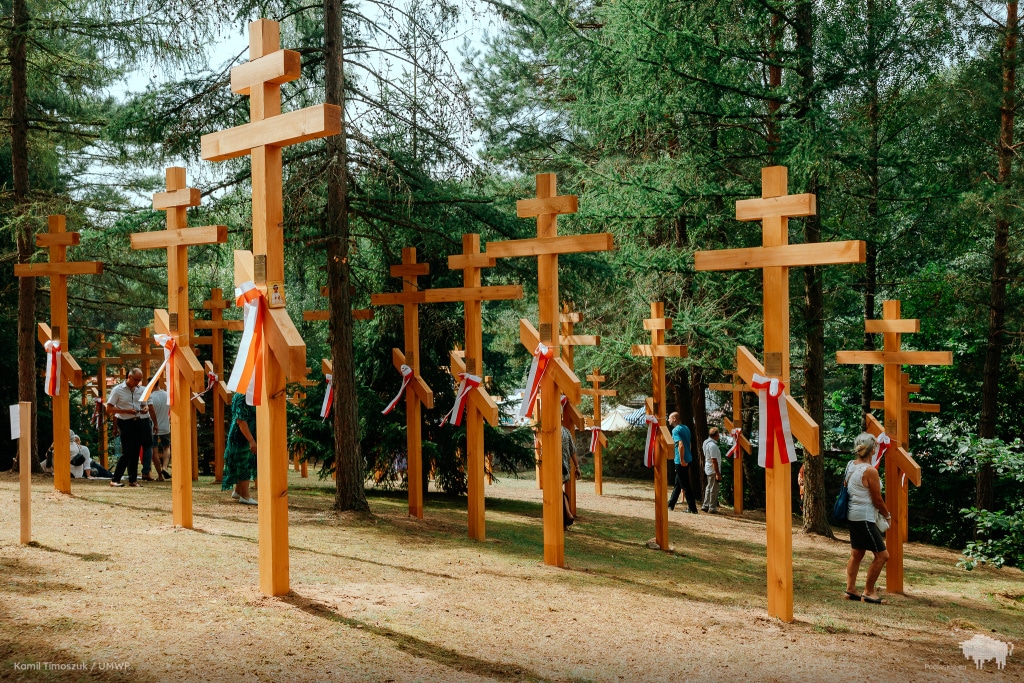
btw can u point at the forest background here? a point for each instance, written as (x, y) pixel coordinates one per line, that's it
(899, 115)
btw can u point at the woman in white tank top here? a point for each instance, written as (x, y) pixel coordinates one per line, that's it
(865, 490)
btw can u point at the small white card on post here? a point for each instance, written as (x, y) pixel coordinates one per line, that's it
(15, 422)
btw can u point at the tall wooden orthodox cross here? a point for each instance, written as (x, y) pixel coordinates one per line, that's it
(546, 207)
(298, 399)
(175, 322)
(479, 406)
(325, 314)
(658, 351)
(775, 257)
(737, 387)
(597, 392)
(66, 369)
(569, 341)
(283, 351)
(410, 298)
(148, 354)
(897, 459)
(101, 360)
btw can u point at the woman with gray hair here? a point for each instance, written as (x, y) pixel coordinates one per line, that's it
(866, 504)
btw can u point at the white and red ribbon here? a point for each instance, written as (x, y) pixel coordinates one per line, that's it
(467, 383)
(651, 442)
(52, 383)
(774, 432)
(406, 378)
(211, 382)
(595, 438)
(97, 413)
(734, 452)
(167, 367)
(884, 443)
(542, 356)
(248, 369)
(325, 409)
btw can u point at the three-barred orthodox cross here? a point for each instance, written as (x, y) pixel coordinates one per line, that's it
(175, 322)
(281, 347)
(64, 368)
(559, 378)
(737, 387)
(101, 360)
(658, 351)
(897, 459)
(775, 257)
(571, 415)
(597, 393)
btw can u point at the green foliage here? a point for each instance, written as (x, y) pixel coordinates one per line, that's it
(624, 455)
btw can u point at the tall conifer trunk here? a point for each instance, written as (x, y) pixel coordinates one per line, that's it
(984, 496)
(348, 459)
(18, 56)
(871, 260)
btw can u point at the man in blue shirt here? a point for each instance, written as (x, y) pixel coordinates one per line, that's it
(681, 437)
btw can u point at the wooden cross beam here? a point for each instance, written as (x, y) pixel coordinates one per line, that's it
(58, 269)
(284, 353)
(546, 207)
(175, 322)
(298, 399)
(658, 351)
(148, 354)
(774, 257)
(101, 361)
(597, 392)
(571, 415)
(217, 325)
(480, 405)
(737, 387)
(325, 314)
(893, 358)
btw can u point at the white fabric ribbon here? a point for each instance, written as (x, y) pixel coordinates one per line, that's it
(651, 443)
(467, 383)
(97, 413)
(595, 438)
(406, 378)
(52, 383)
(734, 452)
(542, 356)
(211, 382)
(167, 367)
(325, 409)
(884, 443)
(774, 432)
(248, 368)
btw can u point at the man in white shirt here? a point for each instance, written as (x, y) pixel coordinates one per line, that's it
(713, 469)
(162, 442)
(83, 470)
(136, 421)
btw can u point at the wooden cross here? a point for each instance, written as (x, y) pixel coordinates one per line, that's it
(658, 351)
(101, 361)
(148, 354)
(298, 399)
(284, 352)
(217, 325)
(410, 298)
(597, 392)
(325, 314)
(569, 341)
(57, 240)
(893, 358)
(774, 258)
(737, 387)
(480, 406)
(175, 322)
(546, 207)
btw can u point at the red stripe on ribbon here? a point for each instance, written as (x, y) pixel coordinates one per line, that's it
(884, 443)
(595, 438)
(542, 356)
(325, 409)
(52, 383)
(248, 369)
(406, 378)
(97, 413)
(734, 452)
(466, 384)
(774, 431)
(651, 443)
(211, 381)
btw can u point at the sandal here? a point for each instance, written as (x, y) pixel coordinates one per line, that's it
(873, 601)
(850, 595)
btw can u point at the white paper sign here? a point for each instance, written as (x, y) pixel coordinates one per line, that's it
(15, 421)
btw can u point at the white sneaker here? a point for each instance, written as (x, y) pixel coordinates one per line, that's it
(248, 501)
(234, 494)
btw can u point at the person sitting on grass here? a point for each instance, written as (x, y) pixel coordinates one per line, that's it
(865, 490)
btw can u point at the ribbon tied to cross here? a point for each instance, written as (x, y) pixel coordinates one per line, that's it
(167, 367)
(325, 409)
(211, 382)
(542, 356)
(406, 378)
(651, 442)
(97, 412)
(884, 443)
(734, 452)
(52, 383)
(595, 436)
(774, 429)
(467, 383)
(248, 369)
